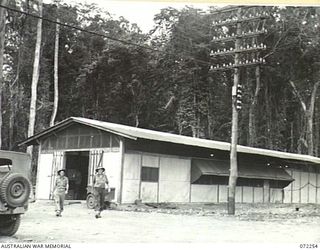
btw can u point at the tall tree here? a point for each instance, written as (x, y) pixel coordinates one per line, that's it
(2, 38)
(55, 70)
(35, 78)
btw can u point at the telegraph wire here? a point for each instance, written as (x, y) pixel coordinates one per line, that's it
(78, 28)
(97, 34)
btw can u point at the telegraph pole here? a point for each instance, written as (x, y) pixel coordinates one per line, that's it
(234, 130)
(238, 52)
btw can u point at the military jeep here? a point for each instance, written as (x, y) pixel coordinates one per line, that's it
(15, 188)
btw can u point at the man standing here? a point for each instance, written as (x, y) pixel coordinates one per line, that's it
(100, 184)
(60, 191)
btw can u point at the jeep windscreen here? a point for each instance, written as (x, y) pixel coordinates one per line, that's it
(20, 162)
(5, 165)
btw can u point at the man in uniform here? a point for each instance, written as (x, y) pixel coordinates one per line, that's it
(60, 191)
(100, 184)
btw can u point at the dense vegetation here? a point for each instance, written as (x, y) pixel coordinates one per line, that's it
(165, 83)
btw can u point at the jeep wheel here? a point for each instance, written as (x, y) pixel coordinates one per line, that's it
(15, 190)
(9, 224)
(91, 201)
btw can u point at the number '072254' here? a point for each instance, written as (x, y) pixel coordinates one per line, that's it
(309, 246)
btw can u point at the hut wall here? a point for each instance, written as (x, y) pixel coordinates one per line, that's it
(276, 195)
(155, 178)
(131, 178)
(44, 176)
(174, 182)
(112, 164)
(258, 195)
(304, 189)
(204, 193)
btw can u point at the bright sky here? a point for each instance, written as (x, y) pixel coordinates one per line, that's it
(139, 12)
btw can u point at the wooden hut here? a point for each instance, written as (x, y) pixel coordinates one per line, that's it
(154, 166)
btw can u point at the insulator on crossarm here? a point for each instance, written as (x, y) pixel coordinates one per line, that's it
(254, 45)
(231, 48)
(260, 59)
(224, 50)
(261, 45)
(211, 67)
(211, 53)
(218, 51)
(248, 46)
(264, 46)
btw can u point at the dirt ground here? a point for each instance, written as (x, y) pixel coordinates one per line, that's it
(171, 223)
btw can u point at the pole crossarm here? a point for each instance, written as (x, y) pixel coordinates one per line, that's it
(234, 37)
(241, 50)
(234, 21)
(239, 65)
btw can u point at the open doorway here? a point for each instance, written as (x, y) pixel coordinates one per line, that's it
(77, 164)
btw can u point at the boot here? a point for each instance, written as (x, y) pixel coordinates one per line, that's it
(98, 215)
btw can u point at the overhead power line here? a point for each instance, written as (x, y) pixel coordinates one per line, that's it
(98, 34)
(78, 28)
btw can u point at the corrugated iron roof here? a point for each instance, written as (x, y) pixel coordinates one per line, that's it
(136, 133)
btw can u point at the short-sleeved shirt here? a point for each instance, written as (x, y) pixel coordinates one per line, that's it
(100, 180)
(61, 184)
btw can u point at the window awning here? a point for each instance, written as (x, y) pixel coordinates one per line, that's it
(221, 168)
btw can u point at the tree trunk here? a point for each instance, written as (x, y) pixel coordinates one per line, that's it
(252, 110)
(35, 79)
(317, 131)
(2, 38)
(309, 119)
(268, 119)
(56, 83)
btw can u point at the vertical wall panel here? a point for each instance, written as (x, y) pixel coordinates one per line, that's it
(175, 169)
(44, 176)
(287, 193)
(112, 164)
(223, 193)
(149, 192)
(247, 194)
(150, 161)
(258, 194)
(174, 179)
(304, 187)
(131, 178)
(276, 195)
(312, 188)
(287, 190)
(204, 193)
(239, 194)
(296, 186)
